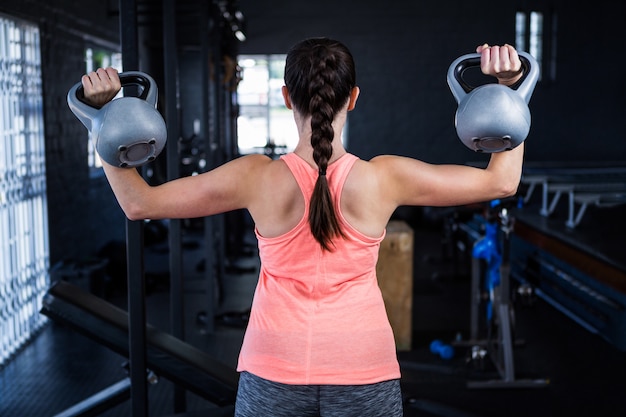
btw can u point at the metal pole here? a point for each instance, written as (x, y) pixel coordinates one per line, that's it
(134, 244)
(170, 83)
(209, 230)
(217, 157)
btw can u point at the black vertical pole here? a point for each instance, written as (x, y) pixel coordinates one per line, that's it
(170, 66)
(206, 20)
(217, 140)
(229, 139)
(134, 244)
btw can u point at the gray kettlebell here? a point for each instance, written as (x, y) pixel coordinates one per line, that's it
(128, 131)
(492, 117)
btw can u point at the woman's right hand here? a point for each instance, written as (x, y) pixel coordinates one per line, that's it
(501, 62)
(101, 86)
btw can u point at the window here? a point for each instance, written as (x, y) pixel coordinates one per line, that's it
(264, 124)
(529, 35)
(99, 58)
(24, 247)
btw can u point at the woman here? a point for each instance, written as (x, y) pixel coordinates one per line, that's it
(318, 341)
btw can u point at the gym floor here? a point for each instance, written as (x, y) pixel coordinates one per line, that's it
(586, 374)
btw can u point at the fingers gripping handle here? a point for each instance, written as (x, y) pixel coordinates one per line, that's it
(128, 131)
(492, 117)
(87, 113)
(460, 88)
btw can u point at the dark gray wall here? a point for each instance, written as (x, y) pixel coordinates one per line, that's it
(403, 50)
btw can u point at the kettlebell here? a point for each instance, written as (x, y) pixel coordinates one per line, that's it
(492, 117)
(128, 131)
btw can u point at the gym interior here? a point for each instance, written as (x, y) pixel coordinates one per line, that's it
(100, 315)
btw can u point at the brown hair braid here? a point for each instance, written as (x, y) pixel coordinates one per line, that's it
(320, 75)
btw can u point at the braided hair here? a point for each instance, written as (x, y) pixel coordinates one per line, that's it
(320, 75)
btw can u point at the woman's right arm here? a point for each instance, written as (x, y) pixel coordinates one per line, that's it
(407, 181)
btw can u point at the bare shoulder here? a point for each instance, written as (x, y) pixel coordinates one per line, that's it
(239, 177)
(398, 177)
(390, 162)
(365, 201)
(245, 170)
(260, 174)
(252, 161)
(370, 174)
(400, 170)
(266, 170)
(379, 169)
(274, 199)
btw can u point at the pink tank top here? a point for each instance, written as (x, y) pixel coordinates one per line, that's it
(318, 317)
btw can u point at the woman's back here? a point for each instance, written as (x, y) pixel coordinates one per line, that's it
(278, 204)
(308, 298)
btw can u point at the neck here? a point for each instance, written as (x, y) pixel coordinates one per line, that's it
(304, 148)
(305, 151)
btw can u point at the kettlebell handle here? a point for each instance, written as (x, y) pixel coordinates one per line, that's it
(86, 112)
(525, 85)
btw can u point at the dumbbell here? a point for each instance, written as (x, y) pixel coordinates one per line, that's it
(444, 350)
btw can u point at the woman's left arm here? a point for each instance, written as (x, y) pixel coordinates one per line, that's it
(225, 188)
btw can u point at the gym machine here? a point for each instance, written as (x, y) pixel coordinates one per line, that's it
(491, 293)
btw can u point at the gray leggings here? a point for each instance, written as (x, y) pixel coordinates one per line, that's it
(258, 397)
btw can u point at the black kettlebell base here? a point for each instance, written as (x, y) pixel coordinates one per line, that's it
(492, 144)
(137, 154)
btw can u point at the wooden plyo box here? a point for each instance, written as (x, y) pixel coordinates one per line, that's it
(395, 278)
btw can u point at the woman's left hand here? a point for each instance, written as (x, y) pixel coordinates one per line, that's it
(101, 86)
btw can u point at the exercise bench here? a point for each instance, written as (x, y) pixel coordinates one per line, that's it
(167, 356)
